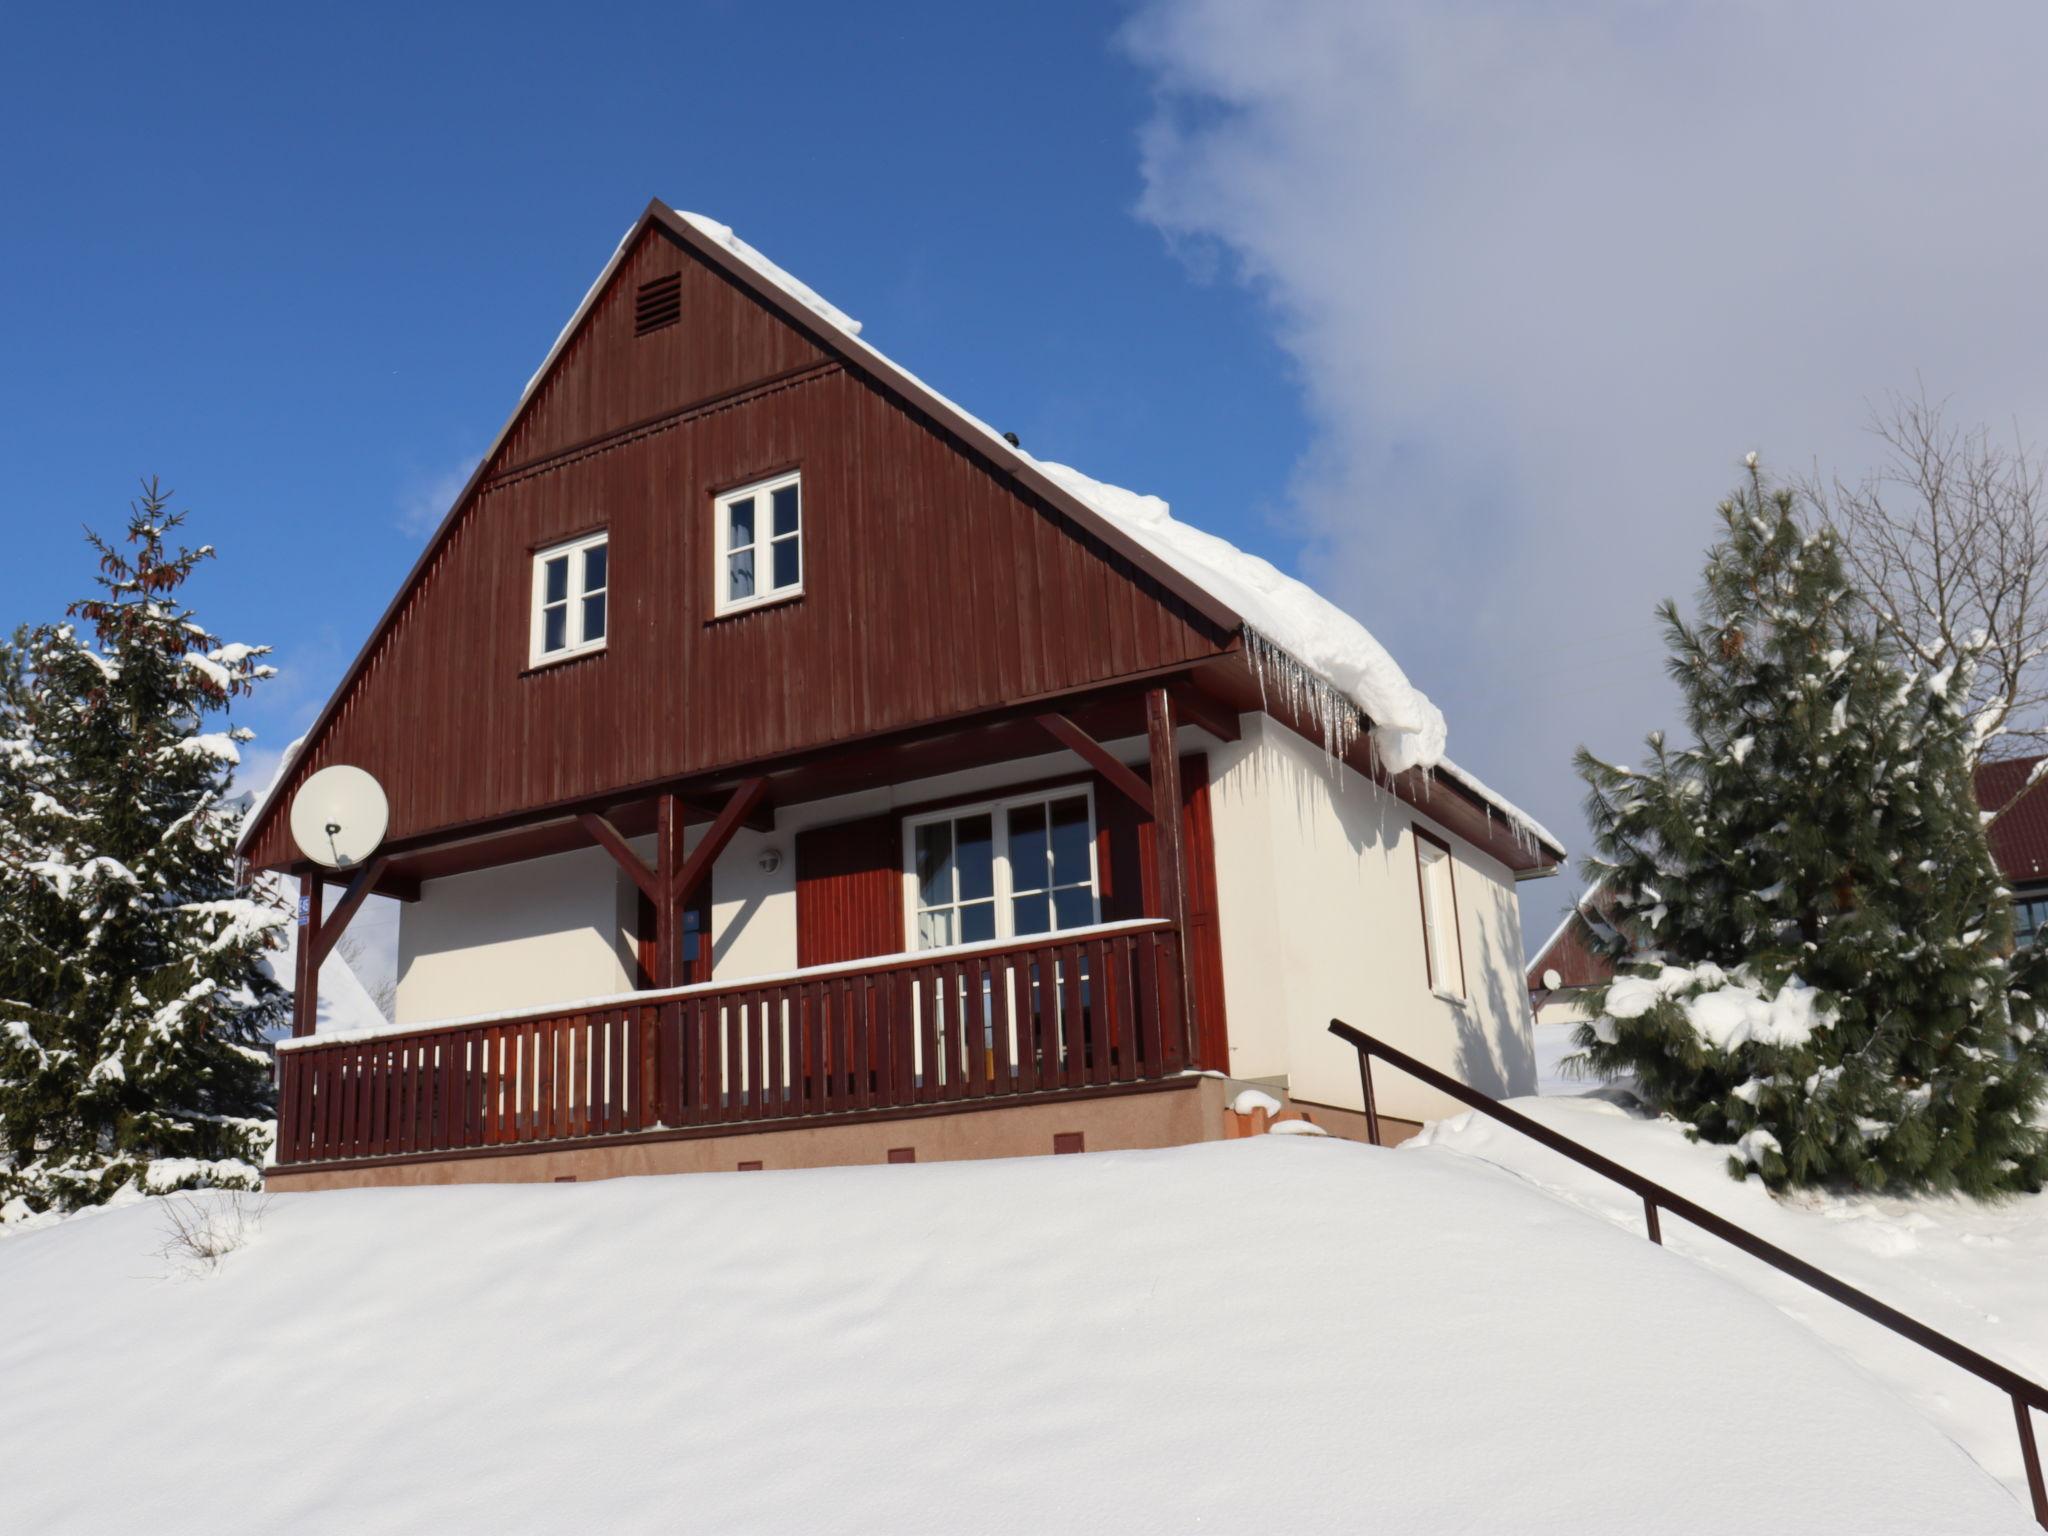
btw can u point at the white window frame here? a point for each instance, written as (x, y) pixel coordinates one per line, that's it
(998, 810)
(1446, 978)
(573, 630)
(765, 539)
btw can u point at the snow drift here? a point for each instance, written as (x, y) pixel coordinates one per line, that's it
(1284, 1334)
(1974, 1271)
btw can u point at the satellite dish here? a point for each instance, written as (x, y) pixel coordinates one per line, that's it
(339, 816)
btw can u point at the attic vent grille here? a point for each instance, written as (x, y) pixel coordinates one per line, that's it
(660, 303)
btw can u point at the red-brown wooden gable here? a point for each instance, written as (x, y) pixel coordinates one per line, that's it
(606, 377)
(935, 584)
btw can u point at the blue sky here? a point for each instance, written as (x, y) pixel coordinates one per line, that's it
(1465, 310)
(301, 266)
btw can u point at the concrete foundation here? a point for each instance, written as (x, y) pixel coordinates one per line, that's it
(1169, 1114)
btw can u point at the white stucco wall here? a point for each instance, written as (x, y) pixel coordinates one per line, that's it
(1321, 919)
(546, 931)
(520, 936)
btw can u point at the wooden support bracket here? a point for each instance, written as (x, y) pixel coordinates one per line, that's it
(328, 933)
(1093, 752)
(744, 800)
(614, 842)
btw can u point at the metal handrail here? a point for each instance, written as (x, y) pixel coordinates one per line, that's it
(2024, 1393)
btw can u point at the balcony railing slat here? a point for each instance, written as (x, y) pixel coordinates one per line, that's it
(1049, 1014)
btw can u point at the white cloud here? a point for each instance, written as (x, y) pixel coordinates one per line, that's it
(1549, 271)
(425, 497)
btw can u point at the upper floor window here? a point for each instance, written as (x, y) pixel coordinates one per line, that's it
(760, 543)
(1442, 946)
(570, 583)
(1001, 871)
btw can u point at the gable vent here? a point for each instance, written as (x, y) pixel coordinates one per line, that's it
(660, 303)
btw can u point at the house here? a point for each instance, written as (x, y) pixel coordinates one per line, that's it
(1567, 965)
(784, 768)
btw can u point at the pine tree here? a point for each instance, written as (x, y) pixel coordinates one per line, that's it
(134, 1004)
(1813, 949)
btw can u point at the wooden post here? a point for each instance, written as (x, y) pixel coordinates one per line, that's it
(668, 915)
(1169, 852)
(306, 966)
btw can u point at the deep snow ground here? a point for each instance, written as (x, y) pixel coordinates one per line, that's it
(1979, 1273)
(1285, 1333)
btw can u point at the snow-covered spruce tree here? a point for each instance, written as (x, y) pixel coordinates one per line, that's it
(1811, 942)
(134, 1003)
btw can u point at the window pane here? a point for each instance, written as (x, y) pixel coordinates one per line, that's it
(977, 922)
(593, 568)
(1031, 914)
(975, 836)
(739, 523)
(784, 517)
(1027, 848)
(1074, 907)
(557, 580)
(935, 929)
(739, 575)
(786, 563)
(554, 628)
(1070, 841)
(593, 618)
(693, 933)
(935, 863)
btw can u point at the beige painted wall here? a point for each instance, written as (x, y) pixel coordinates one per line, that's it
(521, 936)
(1321, 919)
(547, 931)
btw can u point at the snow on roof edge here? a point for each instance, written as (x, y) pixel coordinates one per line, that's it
(1524, 825)
(1287, 613)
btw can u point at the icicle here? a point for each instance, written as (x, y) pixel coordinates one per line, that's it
(1304, 694)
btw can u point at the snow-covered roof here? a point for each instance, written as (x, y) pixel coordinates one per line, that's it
(1326, 664)
(1343, 662)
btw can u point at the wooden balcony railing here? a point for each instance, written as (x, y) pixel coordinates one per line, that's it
(1095, 1007)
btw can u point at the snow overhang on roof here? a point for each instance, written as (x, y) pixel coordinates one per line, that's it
(1324, 662)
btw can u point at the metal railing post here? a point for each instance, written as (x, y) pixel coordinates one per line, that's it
(1372, 1114)
(2030, 1455)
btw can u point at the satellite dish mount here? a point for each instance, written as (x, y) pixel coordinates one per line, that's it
(339, 817)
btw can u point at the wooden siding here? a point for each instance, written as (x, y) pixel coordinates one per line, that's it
(935, 585)
(849, 891)
(608, 378)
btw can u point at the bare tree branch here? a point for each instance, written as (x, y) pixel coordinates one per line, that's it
(1950, 536)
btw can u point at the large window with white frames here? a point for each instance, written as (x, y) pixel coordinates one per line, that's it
(1005, 869)
(571, 586)
(760, 543)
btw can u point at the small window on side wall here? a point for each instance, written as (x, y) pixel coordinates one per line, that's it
(1443, 952)
(571, 587)
(760, 543)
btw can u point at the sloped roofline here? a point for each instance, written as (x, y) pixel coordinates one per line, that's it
(834, 339)
(835, 334)
(1574, 914)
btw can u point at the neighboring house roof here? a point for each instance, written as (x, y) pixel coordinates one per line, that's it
(2019, 847)
(2019, 838)
(1339, 662)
